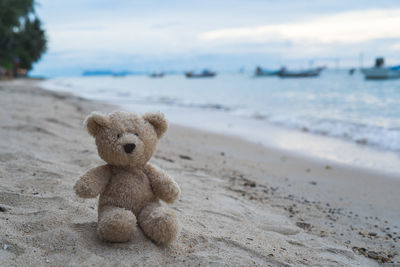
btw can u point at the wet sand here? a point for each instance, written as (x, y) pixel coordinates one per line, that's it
(242, 204)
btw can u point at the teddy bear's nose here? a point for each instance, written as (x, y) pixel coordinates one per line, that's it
(129, 148)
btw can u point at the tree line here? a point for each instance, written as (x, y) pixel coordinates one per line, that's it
(22, 38)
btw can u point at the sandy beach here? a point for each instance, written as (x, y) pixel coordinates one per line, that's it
(242, 204)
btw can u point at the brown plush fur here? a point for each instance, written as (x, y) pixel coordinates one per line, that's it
(130, 188)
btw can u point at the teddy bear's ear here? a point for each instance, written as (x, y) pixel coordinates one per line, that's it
(158, 121)
(95, 121)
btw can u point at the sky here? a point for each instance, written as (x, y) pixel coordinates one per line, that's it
(145, 36)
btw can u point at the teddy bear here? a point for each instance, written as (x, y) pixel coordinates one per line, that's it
(130, 188)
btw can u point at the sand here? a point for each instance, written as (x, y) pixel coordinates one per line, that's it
(241, 204)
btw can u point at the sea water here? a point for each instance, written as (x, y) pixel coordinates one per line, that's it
(336, 116)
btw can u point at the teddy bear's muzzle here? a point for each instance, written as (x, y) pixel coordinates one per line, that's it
(129, 148)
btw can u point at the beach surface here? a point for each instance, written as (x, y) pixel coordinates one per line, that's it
(242, 204)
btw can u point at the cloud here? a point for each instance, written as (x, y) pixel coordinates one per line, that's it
(133, 35)
(125, 36)
(347, 27)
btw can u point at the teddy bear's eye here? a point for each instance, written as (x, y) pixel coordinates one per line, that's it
(136, 134)
(119, 136)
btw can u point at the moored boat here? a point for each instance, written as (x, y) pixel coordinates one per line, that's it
(379, 71)
(260, 72)
(284, 73)
(203, 74)
(157, 75)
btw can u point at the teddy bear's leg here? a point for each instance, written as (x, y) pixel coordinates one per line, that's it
(159, 223)
(116, 224)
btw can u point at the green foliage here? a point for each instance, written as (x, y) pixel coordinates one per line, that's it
(21, 33)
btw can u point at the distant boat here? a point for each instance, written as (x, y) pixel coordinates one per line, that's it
(97, 73)
(265, 73)
(106, 73)
(284, 73)
(203, 74)
(157, 75)
(379, 71)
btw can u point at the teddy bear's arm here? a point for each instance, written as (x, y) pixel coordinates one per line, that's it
(163, 185)
(93, 182)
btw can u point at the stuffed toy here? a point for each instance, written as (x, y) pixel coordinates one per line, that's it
(130, 188)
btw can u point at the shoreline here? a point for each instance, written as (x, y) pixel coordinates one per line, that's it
(293, 140)
(291, 210)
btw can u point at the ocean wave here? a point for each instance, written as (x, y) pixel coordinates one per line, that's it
(363, 134)
(360, 133)
(380, 133)
(177, 102)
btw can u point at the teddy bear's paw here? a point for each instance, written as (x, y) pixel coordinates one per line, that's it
(116, 225)
(174, 192)
(84, 190)
(171, 191)
(159, 223)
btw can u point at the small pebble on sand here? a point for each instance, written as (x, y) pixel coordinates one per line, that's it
(185, 157)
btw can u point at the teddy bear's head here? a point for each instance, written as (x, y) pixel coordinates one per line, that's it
(126, 139)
